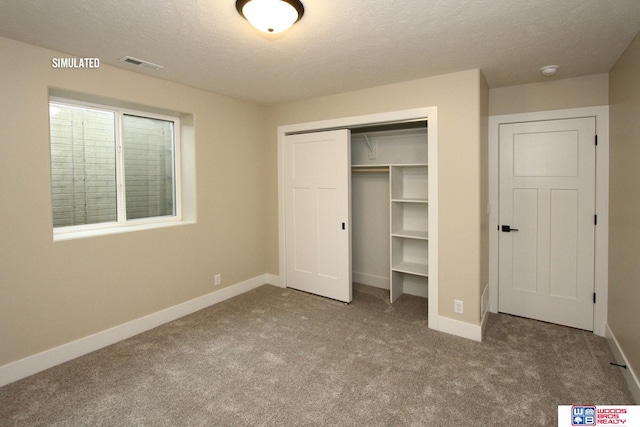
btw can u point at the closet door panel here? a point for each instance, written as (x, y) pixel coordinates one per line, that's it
(329, 240)
(303, 205)
(318, 235)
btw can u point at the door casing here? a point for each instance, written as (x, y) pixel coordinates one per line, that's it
(601, 114)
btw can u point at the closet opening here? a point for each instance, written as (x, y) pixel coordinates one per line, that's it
(325, 168)
(390, 216)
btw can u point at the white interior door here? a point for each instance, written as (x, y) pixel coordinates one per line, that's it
(317, 213)
(547, 201)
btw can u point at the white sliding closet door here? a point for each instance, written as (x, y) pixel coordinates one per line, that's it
(317, 213)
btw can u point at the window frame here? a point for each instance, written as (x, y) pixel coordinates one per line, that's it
(122, 224)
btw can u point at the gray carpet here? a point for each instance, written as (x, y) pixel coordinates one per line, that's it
(277, 357)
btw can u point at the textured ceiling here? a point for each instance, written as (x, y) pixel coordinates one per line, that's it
(338, 45)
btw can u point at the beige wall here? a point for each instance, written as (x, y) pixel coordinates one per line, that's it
(624, 203)
(458, 97)
(588, 91)
(53, 293)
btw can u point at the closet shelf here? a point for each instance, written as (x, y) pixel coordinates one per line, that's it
(369, 165)
(404, 200)
(409, 165)
(386, 165)
(412, 268)
(411, 234)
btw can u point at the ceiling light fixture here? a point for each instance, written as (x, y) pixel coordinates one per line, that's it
(549, 70)
(271, 16)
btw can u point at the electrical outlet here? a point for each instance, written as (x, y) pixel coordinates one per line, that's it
(218, 279)
(458, 306)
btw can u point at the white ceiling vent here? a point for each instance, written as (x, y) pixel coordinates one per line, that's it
(140, 63)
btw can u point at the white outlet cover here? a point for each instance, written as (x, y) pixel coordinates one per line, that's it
(458, 306)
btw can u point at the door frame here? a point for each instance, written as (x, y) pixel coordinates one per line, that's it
(427, 113)
(601, 263)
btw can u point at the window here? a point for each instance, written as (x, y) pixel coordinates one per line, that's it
(112, 168)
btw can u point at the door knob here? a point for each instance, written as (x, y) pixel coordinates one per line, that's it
(508, 229)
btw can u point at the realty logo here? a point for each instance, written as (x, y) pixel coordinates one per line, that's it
(583, 415)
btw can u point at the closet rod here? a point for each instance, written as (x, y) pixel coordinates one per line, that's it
(371, 169)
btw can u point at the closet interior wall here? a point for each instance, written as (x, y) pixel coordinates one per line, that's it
(389, 196)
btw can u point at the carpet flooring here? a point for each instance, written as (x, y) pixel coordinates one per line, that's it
(279, 357)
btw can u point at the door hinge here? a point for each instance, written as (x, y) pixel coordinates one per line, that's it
(594, 297)
(595, 220)
(596, 139)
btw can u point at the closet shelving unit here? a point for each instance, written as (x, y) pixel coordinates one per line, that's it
(409, 226)
(403, 156)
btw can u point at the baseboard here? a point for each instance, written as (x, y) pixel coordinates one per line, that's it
(629, 375)
(274, 280)
(39, 362)
(371, 280)
(461, 329)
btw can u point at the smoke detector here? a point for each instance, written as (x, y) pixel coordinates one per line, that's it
(549, 70)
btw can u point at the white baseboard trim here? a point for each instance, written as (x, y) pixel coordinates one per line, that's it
(371, 280)
(274, 280)
(30, 365)
(461, 329)
(629, 375)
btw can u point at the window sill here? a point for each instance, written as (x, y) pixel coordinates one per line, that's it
(72, 235)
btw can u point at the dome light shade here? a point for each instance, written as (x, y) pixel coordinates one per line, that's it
(271, 16)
